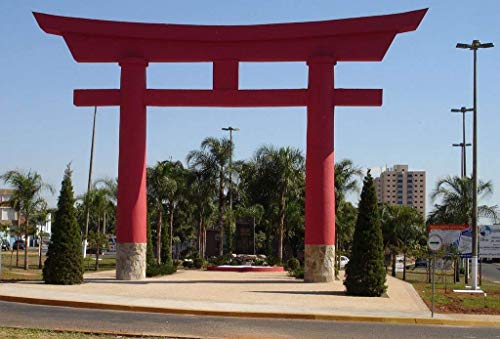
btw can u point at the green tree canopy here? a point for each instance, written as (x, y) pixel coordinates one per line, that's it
(365, 272)
(64, 263)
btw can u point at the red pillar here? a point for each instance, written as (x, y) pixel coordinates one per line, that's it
(131, 210)
(320, 197)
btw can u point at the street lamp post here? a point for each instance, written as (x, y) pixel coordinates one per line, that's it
(231, 129)
(463, 166)
(463, 144)
(476, 44)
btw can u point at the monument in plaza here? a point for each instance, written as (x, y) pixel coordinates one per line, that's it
(320, 44)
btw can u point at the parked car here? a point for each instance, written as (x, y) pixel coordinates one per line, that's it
(18, 245)
(92, 250)
(5, 245)
(419, 262)
(343, 261)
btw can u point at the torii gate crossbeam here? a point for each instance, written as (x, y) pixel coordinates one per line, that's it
(320, 44)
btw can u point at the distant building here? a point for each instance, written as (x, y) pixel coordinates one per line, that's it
(10, 217)
(399, 186)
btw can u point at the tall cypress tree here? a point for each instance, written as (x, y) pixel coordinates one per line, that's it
(64, 264)
(365, 272)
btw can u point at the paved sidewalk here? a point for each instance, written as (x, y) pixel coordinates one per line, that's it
(235, 292)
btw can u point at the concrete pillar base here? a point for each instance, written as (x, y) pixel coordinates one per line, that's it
(319, 263)
(130, 261)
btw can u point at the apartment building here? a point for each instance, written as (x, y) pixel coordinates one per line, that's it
(399, 186)
(8, 216)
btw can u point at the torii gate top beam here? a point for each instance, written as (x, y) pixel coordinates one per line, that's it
(358, 39)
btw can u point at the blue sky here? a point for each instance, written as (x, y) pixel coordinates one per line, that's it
(423, 76)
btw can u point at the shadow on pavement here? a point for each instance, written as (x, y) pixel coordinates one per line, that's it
(341, 293)
(146, 282)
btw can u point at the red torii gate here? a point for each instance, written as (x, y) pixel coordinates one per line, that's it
(321, 44)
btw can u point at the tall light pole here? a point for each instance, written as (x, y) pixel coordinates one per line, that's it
(87, 209)
(463, 167)
(463, 144)
(231, 129)
(476, 44)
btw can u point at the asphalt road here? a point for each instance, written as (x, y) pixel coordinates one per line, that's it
(48, 317)
(491, 271)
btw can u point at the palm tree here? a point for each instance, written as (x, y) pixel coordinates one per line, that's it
(109, 186)
(159, 187)
(40, 218)
(455, 195)
(177, 175)
(346, 179)
(200, 194)
(26, 198)
(212, 161)
(99, 205)
(402, 226)
(345, 182)
(286, 166)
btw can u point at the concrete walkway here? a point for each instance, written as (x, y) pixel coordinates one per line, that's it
(234, 292)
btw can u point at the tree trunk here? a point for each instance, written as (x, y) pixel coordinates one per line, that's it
(204, 241)
(104, 223)
(457, 270)
(26, 242)
(171, 223)
(17, 255)
(393, 271)
(281, 230)
(158, 236)
(404, 266)
(200, 235)
(337, 257)
(220, 221)
(98, 244)
(40, 240)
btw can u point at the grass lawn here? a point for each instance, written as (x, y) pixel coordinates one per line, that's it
(447, 301)
(11, 333)
(11, 272)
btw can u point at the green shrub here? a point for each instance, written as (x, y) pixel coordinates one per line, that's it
(177, 262)
(259, 262)
(64, 263)
(292, 264)
(298, 273)
(188, 264)
(154, 270)
(273, 261)
(198, 263)
(220, 260)
(365, 272)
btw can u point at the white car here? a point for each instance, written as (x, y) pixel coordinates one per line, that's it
(343, 261)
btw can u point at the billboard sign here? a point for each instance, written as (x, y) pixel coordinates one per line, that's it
(460, 236)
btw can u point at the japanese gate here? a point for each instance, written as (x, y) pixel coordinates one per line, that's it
(320, 44)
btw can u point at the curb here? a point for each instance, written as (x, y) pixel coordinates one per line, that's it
(98, 332)
(242, 314)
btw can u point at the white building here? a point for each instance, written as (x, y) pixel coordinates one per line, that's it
(10, 217)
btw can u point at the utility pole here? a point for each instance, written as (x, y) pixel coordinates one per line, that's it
(87, 209)
(476, 44)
